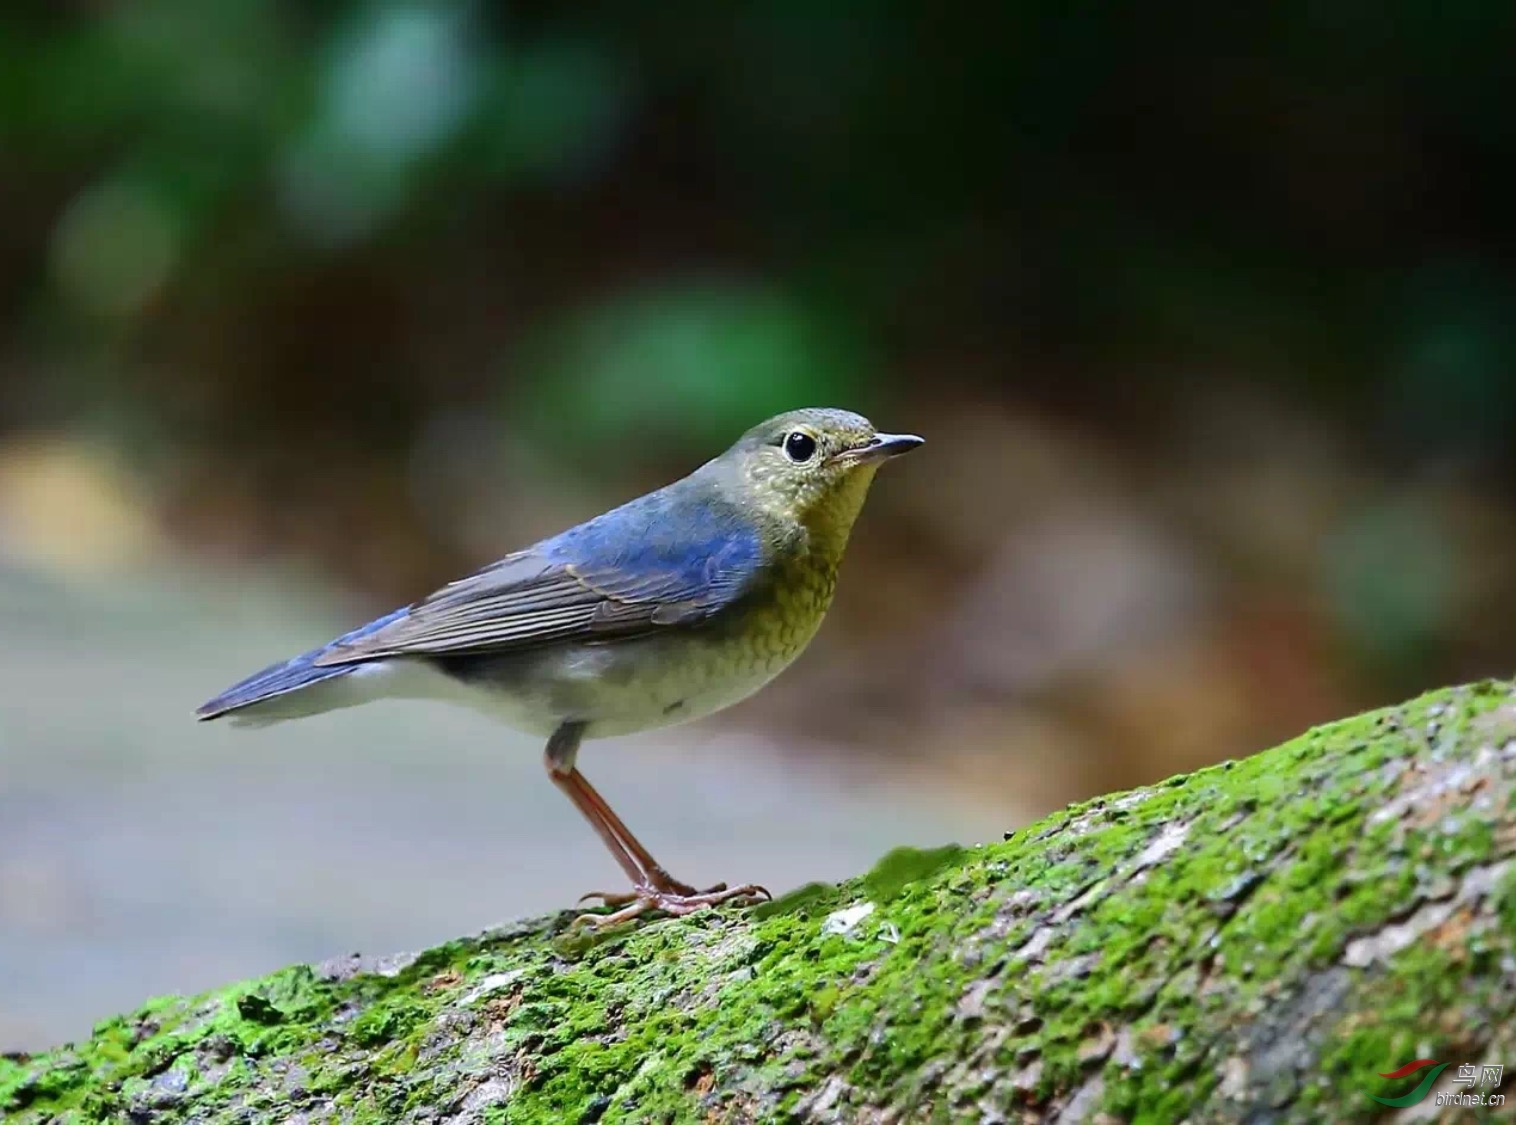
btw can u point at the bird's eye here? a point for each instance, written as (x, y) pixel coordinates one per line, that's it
(799, 446)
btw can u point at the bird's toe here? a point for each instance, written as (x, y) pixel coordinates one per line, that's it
(647, 899)
(611, 899)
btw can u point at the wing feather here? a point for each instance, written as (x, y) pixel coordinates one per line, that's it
(634, 570)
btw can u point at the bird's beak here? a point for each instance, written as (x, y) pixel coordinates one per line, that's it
(882, 448)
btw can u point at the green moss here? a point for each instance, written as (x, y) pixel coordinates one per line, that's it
(382, 1023)
(808, 897)
(904, 866)
(1194, 919)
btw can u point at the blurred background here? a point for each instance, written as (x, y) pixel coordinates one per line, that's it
(1209, 316)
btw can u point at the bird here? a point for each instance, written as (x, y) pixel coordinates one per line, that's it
(666, 609)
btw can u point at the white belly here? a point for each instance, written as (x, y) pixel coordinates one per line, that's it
(616, 690)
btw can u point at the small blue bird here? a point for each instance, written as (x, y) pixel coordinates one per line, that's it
(670, 607)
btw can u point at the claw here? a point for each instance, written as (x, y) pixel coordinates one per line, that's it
(646, 899)
(677, 890)
(664, 883)
(608, 898)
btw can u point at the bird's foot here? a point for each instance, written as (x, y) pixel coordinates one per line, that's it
(671, 887)
(645, 899)
(658, 879)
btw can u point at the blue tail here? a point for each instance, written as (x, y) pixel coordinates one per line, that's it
(290, 675)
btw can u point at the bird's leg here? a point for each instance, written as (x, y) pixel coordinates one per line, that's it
(653, 888)
(656, 889)
(618, 838)
(657, 874)
(612, 844)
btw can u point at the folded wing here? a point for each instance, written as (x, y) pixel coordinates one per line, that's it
(653, 563)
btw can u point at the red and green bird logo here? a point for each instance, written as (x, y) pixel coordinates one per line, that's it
(1422, 1089)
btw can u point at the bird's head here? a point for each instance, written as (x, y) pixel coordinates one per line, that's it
(813, 466)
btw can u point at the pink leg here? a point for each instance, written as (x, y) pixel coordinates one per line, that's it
(653, 888)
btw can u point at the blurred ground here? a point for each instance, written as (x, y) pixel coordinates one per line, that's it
(141, 852)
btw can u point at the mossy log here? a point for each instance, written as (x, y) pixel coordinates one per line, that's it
(1255, 941)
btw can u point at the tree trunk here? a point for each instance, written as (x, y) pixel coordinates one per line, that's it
(1255, 941)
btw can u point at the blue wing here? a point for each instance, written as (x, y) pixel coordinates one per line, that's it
(661, 560)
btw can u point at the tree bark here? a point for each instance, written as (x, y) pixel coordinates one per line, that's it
(1255, 941)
